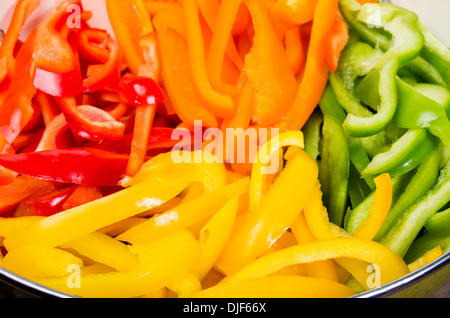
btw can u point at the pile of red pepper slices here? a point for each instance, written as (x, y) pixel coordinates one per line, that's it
(50, 132)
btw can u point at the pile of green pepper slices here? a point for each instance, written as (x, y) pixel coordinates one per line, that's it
(386, 109)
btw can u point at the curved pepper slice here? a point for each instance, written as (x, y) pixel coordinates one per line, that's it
(277, 287)
(261, 226)
(52, 52)
(219, 104)
(391, 265)
(379, 210)
(92, 45)
(97, 124)
(22, 11)
(16, 109)
(274, 84)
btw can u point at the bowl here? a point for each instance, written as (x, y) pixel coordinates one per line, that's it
(422, 283)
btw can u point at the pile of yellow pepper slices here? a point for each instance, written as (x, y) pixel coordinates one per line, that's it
(199, 230)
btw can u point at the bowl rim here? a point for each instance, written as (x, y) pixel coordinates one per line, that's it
(386, 290)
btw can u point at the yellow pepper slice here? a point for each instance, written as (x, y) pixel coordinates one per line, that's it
(82, 220)
(429, 256)
(277, 287)
(258, 229)
(214, 235)
(104, 249)
(320, 269)
(160, 261)
(379, 210)
(391, 265)
(317, 217)
(35, 261)
(184, 215)
(9, 226)
(259, 173)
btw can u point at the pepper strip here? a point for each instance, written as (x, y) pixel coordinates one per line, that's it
(277, 287)
(184, 215)
(259, 174)
(82, 220)
(52, 52)
(22, 11)
(379, 210)
(104, 249)
(259, 228)
(321, 269)
(429, 256)
(392, 265)
(38, 262)
(176, 69)
(214, 235)
(316, 73)
(274, 84)
(219, 104)
(16, 109)
(403, 233)
(159, 262)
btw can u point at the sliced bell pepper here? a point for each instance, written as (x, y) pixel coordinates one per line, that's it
(316, 71)
(288, 14)
(159, 263)
(22, 11)
(90, 122)
(391, 265)
(53, 134)
(139, 91)
(338, 39)
(295, 50)
(403, 233)
(278, 287)
(214, 235)
(35, 262)
(104, 249)
(79, 166)
(334, 169)
(176, 69)
(429, 256)
(425, 243)
(22, 187)
(379, 209)
(184, 215)
(82, 220)
(259, 228)
(44, 204)
(274, 85)
(219, 104)
(107, 74)
(52, 51)
(422, 181)
(438, 224)
(82, 195)
(16, 109)
(92, 45)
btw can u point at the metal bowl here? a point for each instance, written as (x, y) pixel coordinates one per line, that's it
(422, 283)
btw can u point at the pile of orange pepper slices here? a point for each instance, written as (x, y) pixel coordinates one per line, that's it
(211, 229)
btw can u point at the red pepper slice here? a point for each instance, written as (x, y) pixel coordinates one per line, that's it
(16, 109)
(140, 90)
(52, 51)
(45, 204)
(78, 166)
(90, 122)
(92, 45)
(101, 76)
(22, 11)
(60, 85)
(82, 195)
(22, 187)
